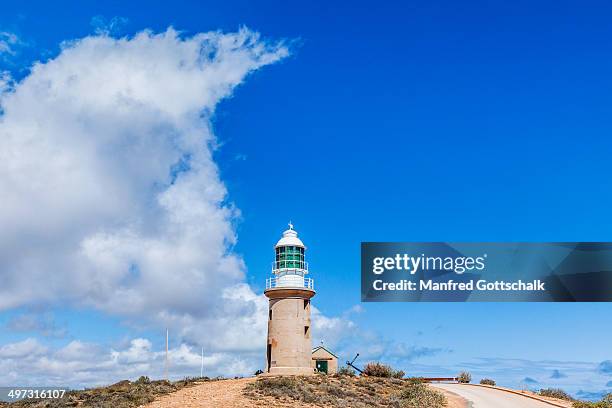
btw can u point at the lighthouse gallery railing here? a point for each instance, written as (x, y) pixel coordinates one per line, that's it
(274, 283)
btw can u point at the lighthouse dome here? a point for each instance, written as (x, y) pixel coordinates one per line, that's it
(290, 238)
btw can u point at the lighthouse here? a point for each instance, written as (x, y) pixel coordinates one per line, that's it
(289, 345)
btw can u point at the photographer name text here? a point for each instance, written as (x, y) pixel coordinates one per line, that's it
(450, 285)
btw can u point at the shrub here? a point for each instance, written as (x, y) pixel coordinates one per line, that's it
(606, 402)
(415, 380)
(418, 395)
(555, 393)
(464, 377)
(600, 404)
(487, 381)
(258, 372)
(336, 391)
(346, 371)
(291, 387)
(375, 369)
(143, 380)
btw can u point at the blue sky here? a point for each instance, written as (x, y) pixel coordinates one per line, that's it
(418, 121)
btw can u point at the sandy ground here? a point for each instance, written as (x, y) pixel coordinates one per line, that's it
(454, 400)
(224, 393)
(228, 394)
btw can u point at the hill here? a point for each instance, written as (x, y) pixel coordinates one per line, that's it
(278, 392)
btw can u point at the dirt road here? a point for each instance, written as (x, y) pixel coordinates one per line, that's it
(212, 394)
(482, 397)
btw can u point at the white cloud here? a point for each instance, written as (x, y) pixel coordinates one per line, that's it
(112, 26)
(331, 330)
(8, 41)
(42, 323)
(111, 200)
(25, 349)
(79, 364)
(110, 196)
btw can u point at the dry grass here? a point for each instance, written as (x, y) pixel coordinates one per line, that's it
(376, 369)
(555, 393)
(124, 394)
(344, 392)
(606, 402)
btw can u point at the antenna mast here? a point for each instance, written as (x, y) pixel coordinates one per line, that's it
(202, 365)
(166, 363)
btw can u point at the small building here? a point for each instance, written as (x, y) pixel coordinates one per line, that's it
(324, 360)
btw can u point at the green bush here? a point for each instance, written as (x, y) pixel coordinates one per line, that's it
(555, 393)
(606, 402)
(375, 369)
(346, 371)
(398, 374)
(419, 395)
(487, 381)
(464, 377)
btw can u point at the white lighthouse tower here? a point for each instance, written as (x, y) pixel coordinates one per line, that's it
(289, 345)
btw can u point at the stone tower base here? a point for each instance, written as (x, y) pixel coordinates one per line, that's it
(289, 346)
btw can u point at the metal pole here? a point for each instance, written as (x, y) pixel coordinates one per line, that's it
(202, 366)
(166, 364)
